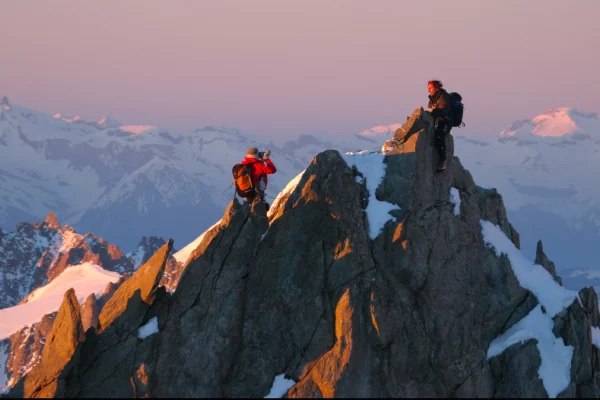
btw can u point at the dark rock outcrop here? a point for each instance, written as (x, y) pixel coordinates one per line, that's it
(145, 249)
(585, 381)
(308, 293)
(5, 104)
(147, 246)
(542, 259)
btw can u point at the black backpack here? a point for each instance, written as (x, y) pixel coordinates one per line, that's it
(458, 109)
(242, 177)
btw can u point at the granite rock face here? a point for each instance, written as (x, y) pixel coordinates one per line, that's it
(47, 379)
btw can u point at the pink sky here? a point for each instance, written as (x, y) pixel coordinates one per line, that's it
(289, 67)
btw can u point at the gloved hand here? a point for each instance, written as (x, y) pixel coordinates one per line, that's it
(267, 154)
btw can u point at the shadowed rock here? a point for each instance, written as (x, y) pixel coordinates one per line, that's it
(203, 328)
(542, 259)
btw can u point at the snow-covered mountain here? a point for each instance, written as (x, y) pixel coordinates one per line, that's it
(35, 254)
(102, 176)
(99, 177)
(85, 278)
(25, 326)
(38, 263)
(548, 171)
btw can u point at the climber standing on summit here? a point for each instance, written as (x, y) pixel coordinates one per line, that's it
(260, 166)
(441, 110)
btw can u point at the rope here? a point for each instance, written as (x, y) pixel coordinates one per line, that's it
(399, 143)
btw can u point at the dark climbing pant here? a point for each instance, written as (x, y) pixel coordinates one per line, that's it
(261, 196)
(441, 130)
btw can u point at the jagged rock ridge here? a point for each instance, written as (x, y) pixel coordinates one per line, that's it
(38, 253)
(306, 292)
(34, 254)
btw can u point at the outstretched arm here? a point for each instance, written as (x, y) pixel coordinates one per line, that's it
(267, 168)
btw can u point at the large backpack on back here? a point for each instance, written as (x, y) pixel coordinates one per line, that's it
(458, 109)
(242, 177)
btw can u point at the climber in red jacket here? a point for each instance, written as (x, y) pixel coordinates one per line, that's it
(261, 167)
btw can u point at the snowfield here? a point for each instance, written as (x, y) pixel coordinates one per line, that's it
(86, 279)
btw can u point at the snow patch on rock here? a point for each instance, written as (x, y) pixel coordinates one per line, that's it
(455, 199)
(183, 254)
(371, 166)
(149, 329)
(284, 194)
(280, 387)
(555, 368)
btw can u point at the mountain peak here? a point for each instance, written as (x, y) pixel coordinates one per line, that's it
(51, 221)
(108, 122)
(5, 104)
(137, 129)
(67, 119)
(555, 122)
(381, 130)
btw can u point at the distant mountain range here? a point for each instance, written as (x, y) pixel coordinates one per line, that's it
(101, 176)
(548, 172)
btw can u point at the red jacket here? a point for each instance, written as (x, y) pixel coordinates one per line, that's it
(260, 170)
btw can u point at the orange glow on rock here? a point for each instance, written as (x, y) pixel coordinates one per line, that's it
(342, 249)
(373, 318)
(328, 370)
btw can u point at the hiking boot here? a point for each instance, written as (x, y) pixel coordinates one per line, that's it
(442, 166)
